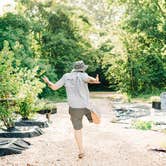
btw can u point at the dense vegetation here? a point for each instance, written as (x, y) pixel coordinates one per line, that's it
(124, 41)
(142, 68)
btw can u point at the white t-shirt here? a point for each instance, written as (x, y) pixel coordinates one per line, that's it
(76, 88)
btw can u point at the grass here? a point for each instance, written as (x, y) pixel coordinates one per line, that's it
(56, 98)
(139, 98)
(146, 97)
(100, 94)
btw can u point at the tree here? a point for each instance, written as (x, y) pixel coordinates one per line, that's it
(61, 32)
(14, 28)
(143, 63)
(63, 42)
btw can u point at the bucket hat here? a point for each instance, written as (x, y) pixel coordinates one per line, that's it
(79, 66)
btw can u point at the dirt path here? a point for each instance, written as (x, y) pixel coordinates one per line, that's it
(106, 144)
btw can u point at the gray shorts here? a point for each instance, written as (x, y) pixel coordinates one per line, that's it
(76, 115)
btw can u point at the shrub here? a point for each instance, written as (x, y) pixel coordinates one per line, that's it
(19, 85)
(143, 125)
(9, 86)
(28, 94)
(45, 106)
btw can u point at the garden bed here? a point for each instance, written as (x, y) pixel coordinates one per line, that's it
(21, 132)
(32, 122)
(12, 146)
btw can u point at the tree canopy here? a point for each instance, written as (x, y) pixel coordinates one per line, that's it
(123, 40)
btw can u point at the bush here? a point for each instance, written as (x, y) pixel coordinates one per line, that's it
(9, 86)
(43, 106)
(143, 125)
(14, 82)
(28, 94)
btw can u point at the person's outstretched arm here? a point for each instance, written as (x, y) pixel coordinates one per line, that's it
(92, 80)
(50, 84)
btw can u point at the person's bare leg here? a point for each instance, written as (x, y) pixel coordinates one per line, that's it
(78, 137)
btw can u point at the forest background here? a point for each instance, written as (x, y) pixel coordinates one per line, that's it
(124, 41)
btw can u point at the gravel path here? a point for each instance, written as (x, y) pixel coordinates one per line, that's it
(106, 144)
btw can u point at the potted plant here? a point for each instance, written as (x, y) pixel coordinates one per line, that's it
(26, 107)
(156, 104)
(9, 87)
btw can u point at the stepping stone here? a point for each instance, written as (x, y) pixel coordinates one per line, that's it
(21, 132)
(12, 146)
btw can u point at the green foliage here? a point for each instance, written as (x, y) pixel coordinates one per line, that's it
(62, 41)
(14, 28)
(7, 114)
(141, 68)
(19, 88)
(45, 105)
(9, 85)
(62, 33)
(107, 59)
(57, 34)
(22, 35)
(145, 48)
(6, 70)
(143, 125)
(147, 97)
(29, 90)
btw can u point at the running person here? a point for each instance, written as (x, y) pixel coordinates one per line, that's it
(76, 85)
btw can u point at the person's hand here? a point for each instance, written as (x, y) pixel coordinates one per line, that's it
(97, 79)
(45, 79)
(50, 84)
